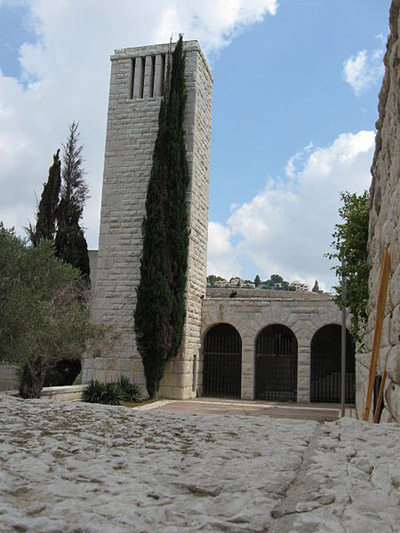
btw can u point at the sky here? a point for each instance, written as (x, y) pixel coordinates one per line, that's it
(295, 98)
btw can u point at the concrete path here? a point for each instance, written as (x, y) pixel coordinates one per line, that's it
(217, 406)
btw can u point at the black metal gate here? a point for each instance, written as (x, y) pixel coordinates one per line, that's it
(276, 364)
(222, 370)
(326, 366)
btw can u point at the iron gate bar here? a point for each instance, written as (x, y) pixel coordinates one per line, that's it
(222, 370)
(326, 366)
(276, 364)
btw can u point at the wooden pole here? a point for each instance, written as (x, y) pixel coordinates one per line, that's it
(380, 315)
(343, 350)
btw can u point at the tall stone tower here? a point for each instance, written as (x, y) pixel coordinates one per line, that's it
(136, 89)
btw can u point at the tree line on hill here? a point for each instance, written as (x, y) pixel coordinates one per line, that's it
(275, 282)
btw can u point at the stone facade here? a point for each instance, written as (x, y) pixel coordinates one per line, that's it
(136, 89)
(384, 231)
(303, 313)
(8, 378)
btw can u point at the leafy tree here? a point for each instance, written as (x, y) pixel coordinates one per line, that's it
(160, 311)
(70, 241)
(350, 240)
(257, 280)
(211, 279)
(42, 315)
(45, 226)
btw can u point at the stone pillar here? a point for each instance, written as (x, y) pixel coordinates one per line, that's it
(131, 133)
(159, 75)
(138, 77)
(148, 78)
(248, 374)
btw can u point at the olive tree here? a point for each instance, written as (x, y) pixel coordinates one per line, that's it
(42, 319)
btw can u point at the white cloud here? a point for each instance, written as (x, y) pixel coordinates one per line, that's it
(287, 228)
(290, 169)
(221, 254)
(364, 70)
(65, 77)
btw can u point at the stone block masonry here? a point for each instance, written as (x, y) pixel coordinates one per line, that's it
(136, 88)
(384, 230)
(303, 313)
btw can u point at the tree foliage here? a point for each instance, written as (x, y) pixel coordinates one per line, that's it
(160, 311)
(58, 221)
(45, 226)
(42, 316)
(212, 279)
(350, 240)
(70, 241)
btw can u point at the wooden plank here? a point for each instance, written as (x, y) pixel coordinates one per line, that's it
(380, 315)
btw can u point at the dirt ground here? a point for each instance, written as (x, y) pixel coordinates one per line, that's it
(214, 406)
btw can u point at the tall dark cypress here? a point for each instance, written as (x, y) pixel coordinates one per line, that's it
(70, 241)
(160, 311)
(46, 216)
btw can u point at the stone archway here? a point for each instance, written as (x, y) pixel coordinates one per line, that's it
(222, 366)
(326, 365)
(276, 364)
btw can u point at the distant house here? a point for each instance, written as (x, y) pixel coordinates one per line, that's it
(248, 285)
(235, 282)
(300, 286)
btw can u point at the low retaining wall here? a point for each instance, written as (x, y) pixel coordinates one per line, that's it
(67, 393)
(63, 394)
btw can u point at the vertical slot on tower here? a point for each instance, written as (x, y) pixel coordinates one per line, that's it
(141, 83)
(132, 84)
(152, 75)
(162, 74)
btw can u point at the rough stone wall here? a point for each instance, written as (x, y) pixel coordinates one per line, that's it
(8, 378)
(384, 230)
(303, 313)
(134, 103)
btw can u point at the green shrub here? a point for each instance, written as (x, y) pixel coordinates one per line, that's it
(93, 392)
(111, 393)
(131, 392)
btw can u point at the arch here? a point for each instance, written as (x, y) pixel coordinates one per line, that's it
(276, 364)
(222, 364)
(326, 365)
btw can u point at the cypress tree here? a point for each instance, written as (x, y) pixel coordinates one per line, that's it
(70, 241)
(160, 311)
(46, 216)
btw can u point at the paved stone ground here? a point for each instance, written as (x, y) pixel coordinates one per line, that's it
(80, 468)
(214, 406)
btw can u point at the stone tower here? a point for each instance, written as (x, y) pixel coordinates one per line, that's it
(136, 90)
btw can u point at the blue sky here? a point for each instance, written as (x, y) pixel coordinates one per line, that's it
(294, 106)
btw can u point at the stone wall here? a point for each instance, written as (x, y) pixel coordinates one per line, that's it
(384, 231)
(8, 378)
(136, 90)
(303, 313)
